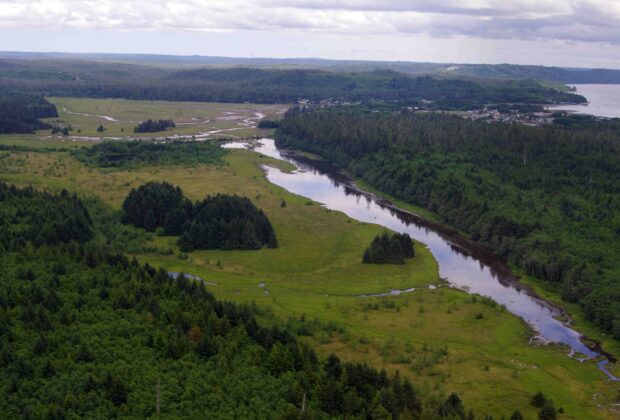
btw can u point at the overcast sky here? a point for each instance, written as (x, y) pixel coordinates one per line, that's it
(583, 33)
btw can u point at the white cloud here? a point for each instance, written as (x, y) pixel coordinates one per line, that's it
(567, 20)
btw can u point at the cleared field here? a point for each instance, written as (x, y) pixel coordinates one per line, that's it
(443, 339)
(120, 116)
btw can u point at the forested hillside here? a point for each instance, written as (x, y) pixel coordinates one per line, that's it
(20, 113)
(110, 80)
(546, 198)
(85, 332)
(496, 71)
(552, 74)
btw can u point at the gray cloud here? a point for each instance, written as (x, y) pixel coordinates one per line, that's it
(566, 20)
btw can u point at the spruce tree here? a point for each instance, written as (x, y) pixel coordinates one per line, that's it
(174, 221)
(516, 415)
(273, 241)
(248, 237)
(185, 242)
(394, 251)
(548, 412)
(539, 399)
(407, 245)
(149, 221)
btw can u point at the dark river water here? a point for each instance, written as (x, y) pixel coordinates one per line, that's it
(463, 264)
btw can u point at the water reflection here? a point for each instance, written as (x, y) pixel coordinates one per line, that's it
(464, 264)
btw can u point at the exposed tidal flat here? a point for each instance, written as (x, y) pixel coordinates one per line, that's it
(443, 339)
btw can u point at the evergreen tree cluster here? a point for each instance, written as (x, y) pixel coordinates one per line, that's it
(117, 154)
(389, 249)
(149, 205)
(41, 218)
(546, 406)
(217, 222)
(87, 333)
(267, 123)
(153, 126)
(225, 222)
(545, 198)
(61, 130)
(20, 112)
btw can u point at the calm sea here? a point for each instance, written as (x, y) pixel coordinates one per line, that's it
(603, 101)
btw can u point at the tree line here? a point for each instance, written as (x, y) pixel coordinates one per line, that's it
(267, 123)
(111, 154)
(87, 332)
(389, 249)
(153, 126)
(20, 112)
(112, 80)
(546, 198)
(221, 221)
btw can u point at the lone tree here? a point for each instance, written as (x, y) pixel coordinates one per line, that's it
(516, 415)
(548, 412)
(539, 399)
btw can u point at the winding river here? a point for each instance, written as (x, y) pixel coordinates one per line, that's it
(464, 264)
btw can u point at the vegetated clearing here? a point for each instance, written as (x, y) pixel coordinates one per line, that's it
(120, 116)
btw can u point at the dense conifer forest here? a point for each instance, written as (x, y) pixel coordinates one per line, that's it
(218, 222)
(546, 198)
(41, 218)
(266, 123)
(20, 113)
(389, 249)
(130, 81)
(122, 154)
(86, 332)
(153, 126)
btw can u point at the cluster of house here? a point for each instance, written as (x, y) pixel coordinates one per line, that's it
(526, 118)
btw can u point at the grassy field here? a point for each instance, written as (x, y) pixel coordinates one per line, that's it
(443, 339)
(120, 116)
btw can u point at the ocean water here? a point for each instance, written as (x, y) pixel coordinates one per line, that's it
(603, 101)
